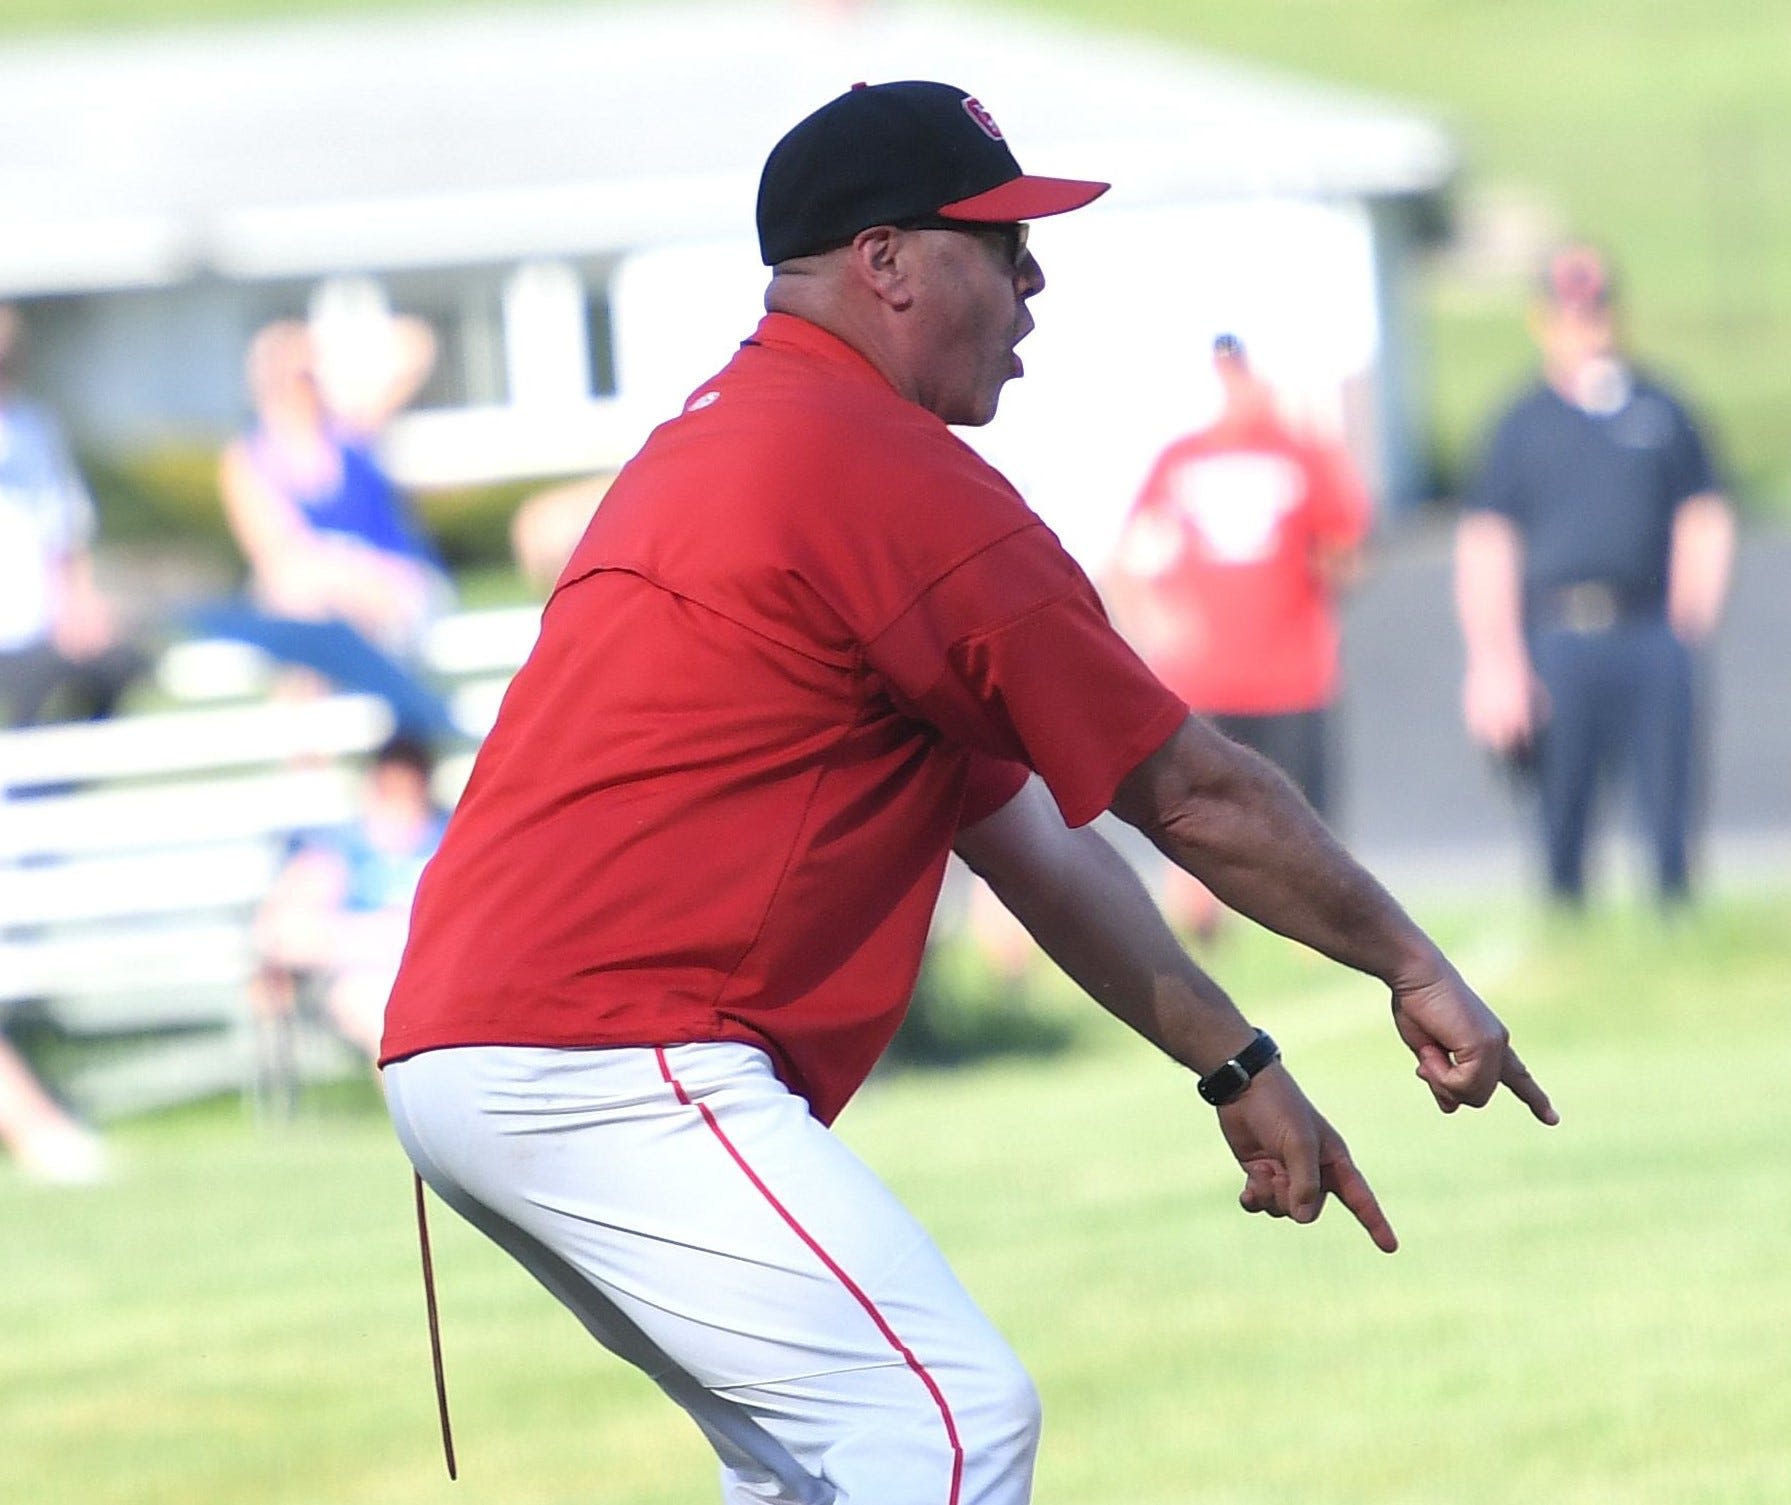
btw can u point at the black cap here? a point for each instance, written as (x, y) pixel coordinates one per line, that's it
(884, 154)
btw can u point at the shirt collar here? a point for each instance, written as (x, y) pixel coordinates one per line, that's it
(787, 332)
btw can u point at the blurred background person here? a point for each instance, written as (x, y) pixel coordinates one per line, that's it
(46, 1142)
(1226, 578)
(342, 579)
(547, 526)
(1593, 559)
(325, 531)
(60, 647)
(336, 916)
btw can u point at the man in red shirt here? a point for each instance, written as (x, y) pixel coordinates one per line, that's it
(810, 644)
(1228, 570)
(1226, 579)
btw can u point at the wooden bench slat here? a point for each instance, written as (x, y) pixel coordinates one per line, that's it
(173, 815)
(189, 954)
(192, 741)
(140, 883)
(134, 851)
(482, 642)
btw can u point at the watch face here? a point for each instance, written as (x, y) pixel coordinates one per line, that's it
(1224, 1084)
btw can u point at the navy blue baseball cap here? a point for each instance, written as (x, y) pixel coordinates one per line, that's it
(888, 154)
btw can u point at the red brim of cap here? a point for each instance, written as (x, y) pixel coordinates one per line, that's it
(1025, 198)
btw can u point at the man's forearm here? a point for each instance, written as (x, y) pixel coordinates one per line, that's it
(1090, 913)
(1700, 564)
(1234, 821)
(1489, 590)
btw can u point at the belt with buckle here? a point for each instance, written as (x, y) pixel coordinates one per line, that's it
(1591, 606)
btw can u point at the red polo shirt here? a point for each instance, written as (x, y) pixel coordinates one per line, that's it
(719, 797)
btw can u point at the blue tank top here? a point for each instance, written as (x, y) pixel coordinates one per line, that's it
(363, 504)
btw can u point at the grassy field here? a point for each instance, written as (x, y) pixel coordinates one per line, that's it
(1594, 1315)
(1662, 127)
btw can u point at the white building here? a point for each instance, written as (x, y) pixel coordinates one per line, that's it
(566, 194)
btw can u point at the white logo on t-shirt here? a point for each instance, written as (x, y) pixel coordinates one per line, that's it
(1236, 502)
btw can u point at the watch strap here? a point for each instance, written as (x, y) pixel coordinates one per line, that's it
(1225, 1084)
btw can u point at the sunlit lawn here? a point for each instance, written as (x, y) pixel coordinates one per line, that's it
(1598, 1313)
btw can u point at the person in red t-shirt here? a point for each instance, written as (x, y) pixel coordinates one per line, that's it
(809, 645)
(1226, 580)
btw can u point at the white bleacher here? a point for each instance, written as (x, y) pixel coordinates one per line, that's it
(168, 815)
(191, 741)
(493, 641)
(135, 852)
(464, 645)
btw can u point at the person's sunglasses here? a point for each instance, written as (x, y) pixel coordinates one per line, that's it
(1013, 234)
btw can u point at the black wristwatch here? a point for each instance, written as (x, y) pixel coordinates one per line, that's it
(1226, 1084)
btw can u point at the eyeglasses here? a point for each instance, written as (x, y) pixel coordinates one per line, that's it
(1013, 233)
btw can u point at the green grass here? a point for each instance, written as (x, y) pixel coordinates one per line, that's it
(1593, 1315)
(1663, 127)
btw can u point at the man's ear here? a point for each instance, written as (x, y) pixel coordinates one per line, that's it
(880, 259)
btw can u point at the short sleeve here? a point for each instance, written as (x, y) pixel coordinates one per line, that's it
(1691, 470)
(1010, 654)
(990, 784)
(1153, 537)
(1341, 509)
(1498, 483)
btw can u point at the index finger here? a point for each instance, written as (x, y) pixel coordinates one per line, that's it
(1516, 1076)
(1353, 1191)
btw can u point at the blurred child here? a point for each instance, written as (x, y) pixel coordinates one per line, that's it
(337, 915)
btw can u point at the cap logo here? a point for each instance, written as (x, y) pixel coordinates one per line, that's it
(976, 110)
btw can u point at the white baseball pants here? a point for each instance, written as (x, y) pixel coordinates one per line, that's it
(702, 1225)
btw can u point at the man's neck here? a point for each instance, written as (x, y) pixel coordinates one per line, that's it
(1600, 386)
(818, 303)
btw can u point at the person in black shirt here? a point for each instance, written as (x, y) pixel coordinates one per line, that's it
(1592, 558)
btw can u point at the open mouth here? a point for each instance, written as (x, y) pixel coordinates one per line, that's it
(1019, 365)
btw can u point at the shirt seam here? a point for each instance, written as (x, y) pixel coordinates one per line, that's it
(995, 629)
(951, 569)
(649, 578)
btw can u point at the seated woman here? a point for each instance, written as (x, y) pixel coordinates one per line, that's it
(341, 578)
